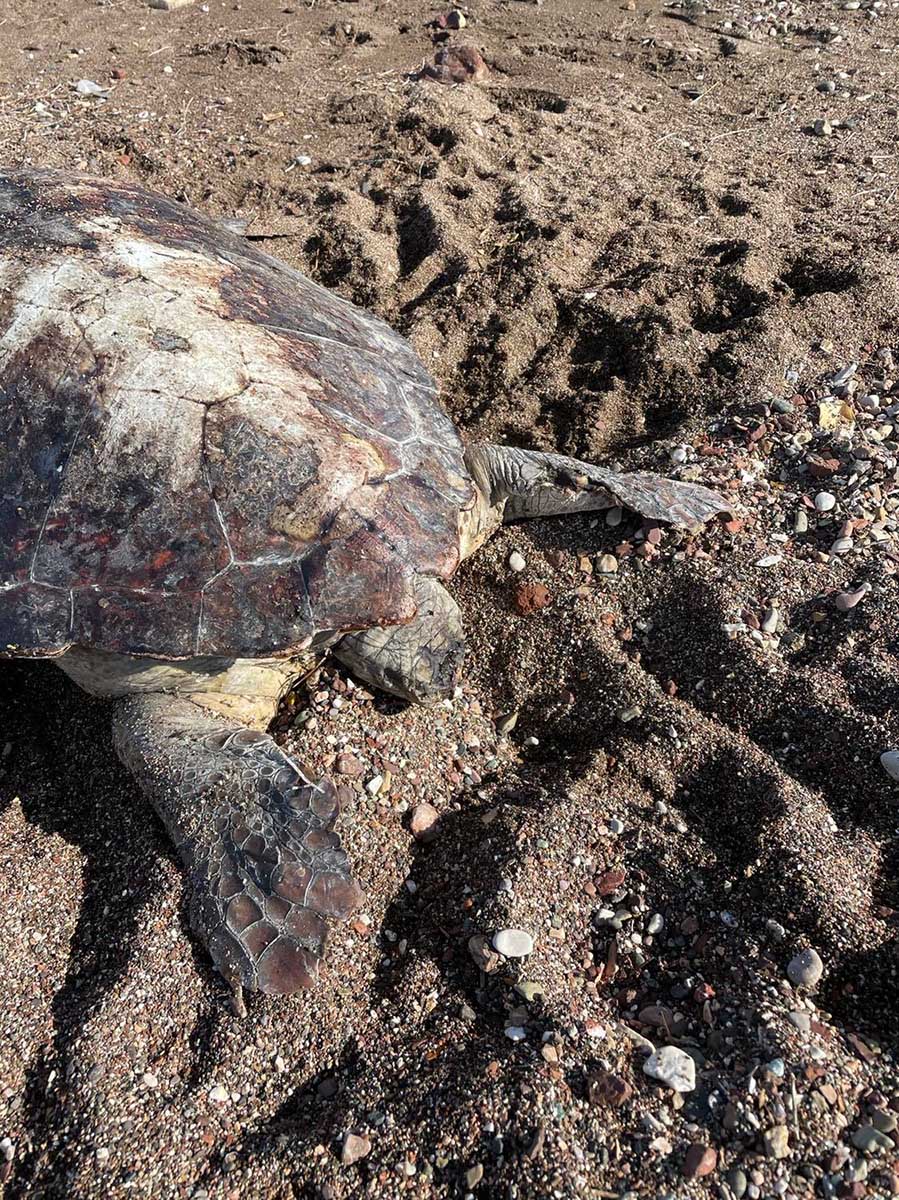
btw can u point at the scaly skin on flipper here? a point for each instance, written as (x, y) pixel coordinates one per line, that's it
(254, 833)
(528, 483)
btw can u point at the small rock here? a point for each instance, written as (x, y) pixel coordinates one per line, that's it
(603, 1087)
(607, 564)
(149, 1080)
(673, 1067)
(457, 64)
(846, 601)
(515, 1033)
(87, 87)
(871, 1140)
(823, 127)
(218, 1094)
(884, 1120)
(455, 19)
(516, 562)
(531, 598)
(825, 501)
(168, 5)
(805, 969)
(473, 1176)
(889, 760)
(506, 723)
(425, 823)
(374, 785)
(777, 1141)
(700, 1160)
(348, 764)
(679, 455)
(513, 943)
(529, 991)
(737, 1182)
(801, 1021)
(354, 1148)
(610, 881)
(481, 953)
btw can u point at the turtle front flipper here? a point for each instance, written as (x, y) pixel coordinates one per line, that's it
(527, 483)
(254, 832)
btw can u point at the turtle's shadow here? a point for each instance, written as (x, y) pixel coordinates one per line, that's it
(63, 770)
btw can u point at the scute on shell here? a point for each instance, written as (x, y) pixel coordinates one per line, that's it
(206, 452)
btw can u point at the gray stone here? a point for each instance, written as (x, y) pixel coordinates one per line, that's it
(871, 1140)
(889, 760)
(805, 969)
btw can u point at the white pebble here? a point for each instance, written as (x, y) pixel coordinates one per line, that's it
(678, 455)
(516, 562)
(218, 1094)
(825, 501)
(513, 943)
(673, 1067)
(374, 785)
(515, 1033)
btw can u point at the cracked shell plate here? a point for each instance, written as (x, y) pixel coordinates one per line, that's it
(205, 452)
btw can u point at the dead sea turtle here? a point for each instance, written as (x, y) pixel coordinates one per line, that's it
(212, 472)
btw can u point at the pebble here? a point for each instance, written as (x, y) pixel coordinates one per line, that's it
(825, 501)
(844, 375)
(348, 764)
(889, 760)
(149, 1080)
(655, 924)
(513, 943)
(425, 823)
(603, 1087)
(770, 619)
(679, 455)
(845, 601)
(354, 1148)
(87, 87)
(607, 564)
(169, 5)
(529, 991)
(506, 723)
(777, 1141)
(822, 127)
(871, 1141)
(616, 826)
(700, 1160)
(516, 562)
(737, 1182)
(673, 1067)
(515, 1033)
(801, 1021)
(481, 953)
(218, 1094)
(805, 969)
(374, 785)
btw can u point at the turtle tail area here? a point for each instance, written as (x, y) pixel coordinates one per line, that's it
(255, 835)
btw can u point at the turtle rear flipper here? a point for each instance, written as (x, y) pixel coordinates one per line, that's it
(254, 832)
